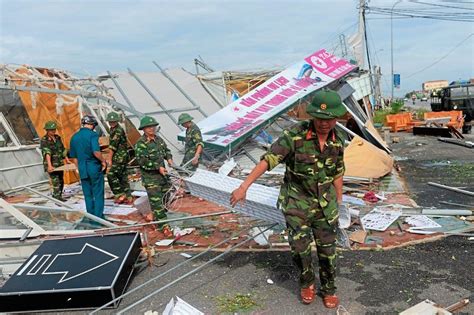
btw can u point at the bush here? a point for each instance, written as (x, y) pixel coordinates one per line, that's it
(396, 107)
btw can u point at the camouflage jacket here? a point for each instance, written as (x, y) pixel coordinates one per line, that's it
(55, 148)
(118, 144)
(308, 182)
(193, 139)
(151, 154)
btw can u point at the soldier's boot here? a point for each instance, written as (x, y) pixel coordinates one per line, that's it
(120, 199)
(167, 232)
(307, 294)
(129, 200)
(330, 301)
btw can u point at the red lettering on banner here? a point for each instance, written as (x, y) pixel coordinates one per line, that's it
(276, 100)
(288, 92)
(263, 108)
(259, 94)
(282, 81)
(303, 83)
(248, 101)
(273, 86)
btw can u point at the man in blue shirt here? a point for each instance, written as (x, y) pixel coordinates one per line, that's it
(85, 151)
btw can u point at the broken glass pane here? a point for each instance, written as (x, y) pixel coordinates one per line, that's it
(9, 222)
(55, 219)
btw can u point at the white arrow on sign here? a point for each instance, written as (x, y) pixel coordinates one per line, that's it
(83, 268)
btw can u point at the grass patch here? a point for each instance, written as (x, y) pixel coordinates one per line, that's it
(379, 116)
(238, 303)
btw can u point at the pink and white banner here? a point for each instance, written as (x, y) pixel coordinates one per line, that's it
(240, 118)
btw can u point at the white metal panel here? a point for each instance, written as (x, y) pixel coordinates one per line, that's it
(261, 200)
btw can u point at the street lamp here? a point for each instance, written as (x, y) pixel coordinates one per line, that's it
(391, 42)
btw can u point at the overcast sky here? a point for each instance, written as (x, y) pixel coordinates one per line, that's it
(90, 37)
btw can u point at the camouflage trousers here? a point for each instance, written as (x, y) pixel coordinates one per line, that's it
(188, 157)
(301, 231)
(118, 180)
(157, 188)
(57, 184)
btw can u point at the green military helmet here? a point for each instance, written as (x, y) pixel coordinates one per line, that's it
(113, 116)
(50, 125)
(147, 121)
(326, 104)
(184, 117)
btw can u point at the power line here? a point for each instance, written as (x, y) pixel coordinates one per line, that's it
(441, 5)
(446, 55)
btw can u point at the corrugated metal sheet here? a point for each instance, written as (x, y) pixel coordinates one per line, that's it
(168, 95)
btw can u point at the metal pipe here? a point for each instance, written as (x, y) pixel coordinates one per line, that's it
(165, 221)
(23, 186)
(186, 95)
(169, 270)
(214, 97)
(153, 96)
(72, 92)
(195, 270)
(456, 204)
(119, 88)
(20, 166)
(158, 112)
(391, 44)
(461, 191)
(86, 214)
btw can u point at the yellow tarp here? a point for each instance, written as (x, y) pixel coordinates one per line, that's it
(42, 107)
(363, 159)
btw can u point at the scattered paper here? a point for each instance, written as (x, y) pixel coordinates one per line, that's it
(379, 220)
(139, 193)
(421, 222)
(186, 255)
(181, 232)
(227, 167)
(261, 239)
(270, 281)
(166, 242)
(354, 200)
(180, 307)
(118, 210)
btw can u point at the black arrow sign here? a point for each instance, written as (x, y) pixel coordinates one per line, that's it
(73, 265)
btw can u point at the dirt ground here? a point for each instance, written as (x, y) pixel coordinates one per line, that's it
(369, 281)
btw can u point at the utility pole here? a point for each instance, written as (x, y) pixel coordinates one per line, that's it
(391, 44)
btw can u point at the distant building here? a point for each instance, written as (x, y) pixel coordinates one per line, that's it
(434, 85)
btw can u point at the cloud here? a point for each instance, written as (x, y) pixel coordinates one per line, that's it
(94, 36)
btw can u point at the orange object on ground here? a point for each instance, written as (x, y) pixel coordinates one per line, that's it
(307, 294)
(457, 119)
(401, 121)
(330, 301)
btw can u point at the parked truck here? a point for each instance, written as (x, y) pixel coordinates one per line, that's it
(456, 97)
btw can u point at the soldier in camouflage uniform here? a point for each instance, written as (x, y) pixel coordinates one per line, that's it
(54, 153)
(151, 152)
(312, 191)
(193, 144)
(117, 175)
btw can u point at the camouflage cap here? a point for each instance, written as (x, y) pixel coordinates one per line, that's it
(184, 117)
(147, 121)
(326, 104)
(50, 125)
(113, 116)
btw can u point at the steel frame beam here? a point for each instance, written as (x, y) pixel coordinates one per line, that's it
(186, 95)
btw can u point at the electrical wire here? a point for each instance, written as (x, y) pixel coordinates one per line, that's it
(443, 57)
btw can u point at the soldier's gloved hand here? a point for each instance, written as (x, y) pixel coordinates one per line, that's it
(163, 171)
